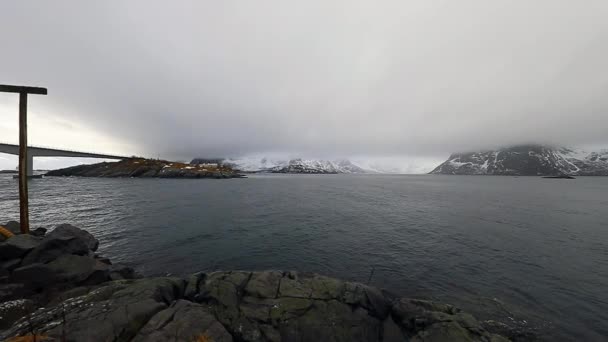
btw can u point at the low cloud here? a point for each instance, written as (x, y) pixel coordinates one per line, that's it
(329, 79)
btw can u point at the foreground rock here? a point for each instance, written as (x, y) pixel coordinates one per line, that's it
(139, 167)
(35, 269)
(246, 306)
(58, 289)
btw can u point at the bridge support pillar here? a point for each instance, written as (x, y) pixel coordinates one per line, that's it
(30, 165)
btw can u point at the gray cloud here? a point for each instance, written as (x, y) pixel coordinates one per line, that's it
(317, 78)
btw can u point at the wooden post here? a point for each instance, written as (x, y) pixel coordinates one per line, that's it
(24, 216)
(23, 194)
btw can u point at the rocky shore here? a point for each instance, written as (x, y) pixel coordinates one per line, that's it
(146, 168)
(56, 287)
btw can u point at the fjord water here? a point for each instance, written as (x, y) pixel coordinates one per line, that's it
(526, 250)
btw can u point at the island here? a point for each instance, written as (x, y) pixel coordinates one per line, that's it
(141, 167)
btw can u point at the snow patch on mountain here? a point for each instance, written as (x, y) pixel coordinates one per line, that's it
(528, 160)
(296, 165)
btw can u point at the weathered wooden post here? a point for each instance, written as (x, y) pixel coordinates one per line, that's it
(23, 198)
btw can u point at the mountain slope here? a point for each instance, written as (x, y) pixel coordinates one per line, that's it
(294, 166)
(527, 160)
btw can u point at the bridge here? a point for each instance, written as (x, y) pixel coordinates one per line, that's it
(34, 151)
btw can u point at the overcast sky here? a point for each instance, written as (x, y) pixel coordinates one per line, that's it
(409, 80)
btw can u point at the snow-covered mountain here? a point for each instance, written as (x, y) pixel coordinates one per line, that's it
(527, 160)
(297, 165)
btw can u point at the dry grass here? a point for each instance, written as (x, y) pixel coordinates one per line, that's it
(5, 232)
(203, 338)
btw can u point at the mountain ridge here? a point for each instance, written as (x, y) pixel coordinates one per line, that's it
(527, 160)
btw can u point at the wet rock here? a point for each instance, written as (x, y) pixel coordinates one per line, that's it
(17, 246)
(513, 332)
(183, 321)
(64, 231)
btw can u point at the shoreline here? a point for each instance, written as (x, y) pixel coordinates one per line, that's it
(79, 285)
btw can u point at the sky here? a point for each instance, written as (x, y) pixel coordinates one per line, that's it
(403, 82)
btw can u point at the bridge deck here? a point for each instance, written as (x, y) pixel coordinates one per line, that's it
(37, 151)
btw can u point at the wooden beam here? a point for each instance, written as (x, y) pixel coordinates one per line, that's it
(20, 89)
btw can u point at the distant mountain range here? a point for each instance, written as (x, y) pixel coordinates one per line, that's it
(527, 160)
(297, 165)
(520, 160)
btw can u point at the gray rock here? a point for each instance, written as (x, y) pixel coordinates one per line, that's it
(17, 246)
(430, 321)
(54, 246)
(100, 274)
(74, 268)
(114, 312)
(34, 276)
(11, 311)
(103, 259)
(244, 306)
(192, 287)
(183, 321)
(39, 231)
(331, 320)
(9, 265)
(66, 231)
(118, 272)
(264, 284)
(13, 226)
(368, 297)
(391, 331)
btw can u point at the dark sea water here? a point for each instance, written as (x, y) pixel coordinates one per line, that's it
(527, 250)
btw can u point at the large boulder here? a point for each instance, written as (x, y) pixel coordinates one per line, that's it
(67, 270)
(17, 246)
(56, 245)
(67, 231)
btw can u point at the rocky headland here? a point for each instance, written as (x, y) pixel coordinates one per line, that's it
(140, 167)
(56, 287)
